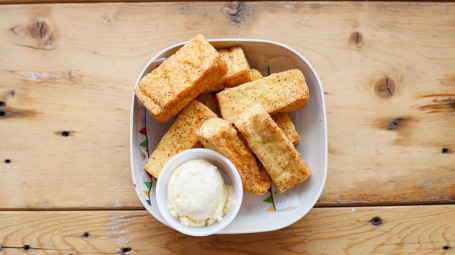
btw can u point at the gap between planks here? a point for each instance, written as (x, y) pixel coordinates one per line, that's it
(118, 209)
(8, 2)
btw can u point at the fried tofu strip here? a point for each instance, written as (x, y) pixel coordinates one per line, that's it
(279, 92)
(209, 100)
(179, 79)
(285, 123)
(281, 119)
(276, 153)
(181, 136)
(218, 135)
(238, 69)
(255, 74)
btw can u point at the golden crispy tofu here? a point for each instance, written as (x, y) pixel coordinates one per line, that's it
(279, 92)
(209, 100)
(218, 135)
(285, 123)
(179, 79)
(181, 136)
(281, 119)
(238, 69)
(276, 153)
(255, 74)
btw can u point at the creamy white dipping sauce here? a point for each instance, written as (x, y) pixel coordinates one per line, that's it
(197, 195)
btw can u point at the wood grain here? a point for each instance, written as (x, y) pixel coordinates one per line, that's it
(361, 230)
(67, 73)
(101, 1)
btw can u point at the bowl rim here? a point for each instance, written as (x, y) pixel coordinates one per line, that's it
(156, 57)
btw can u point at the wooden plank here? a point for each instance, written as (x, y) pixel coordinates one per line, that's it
(387, 69)
(360, 230)
(113, 1)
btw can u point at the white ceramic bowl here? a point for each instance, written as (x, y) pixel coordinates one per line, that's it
(310, 123)
(230, 175)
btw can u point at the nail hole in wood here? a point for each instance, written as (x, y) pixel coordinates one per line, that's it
(125, 250)
(394, 124)
(2, 114)
(376, 221)
(2, 103)
(446, 247)
(445, 151)
(65, 133)
(26, 247)
(7, 161)
(86, 236)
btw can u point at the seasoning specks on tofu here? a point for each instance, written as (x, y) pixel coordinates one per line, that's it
(279, 92)
(179, 79)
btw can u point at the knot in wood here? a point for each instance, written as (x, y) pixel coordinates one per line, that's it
(233, 8)
(385, 87)
(237, 12)
(38, 29)
(356, 38)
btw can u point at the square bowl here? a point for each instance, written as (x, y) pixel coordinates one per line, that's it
(310, 122)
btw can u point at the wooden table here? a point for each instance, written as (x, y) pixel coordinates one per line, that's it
(66, 76)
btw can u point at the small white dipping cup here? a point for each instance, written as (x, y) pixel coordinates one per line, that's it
(230, 176)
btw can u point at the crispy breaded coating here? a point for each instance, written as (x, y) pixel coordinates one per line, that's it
(276, 153)
(181, 136)
(255, 74)
(279, 92)
(238, 69)
(281, 119)
(209, 100)
(285, 123)
(179, 79)
(218, 135)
